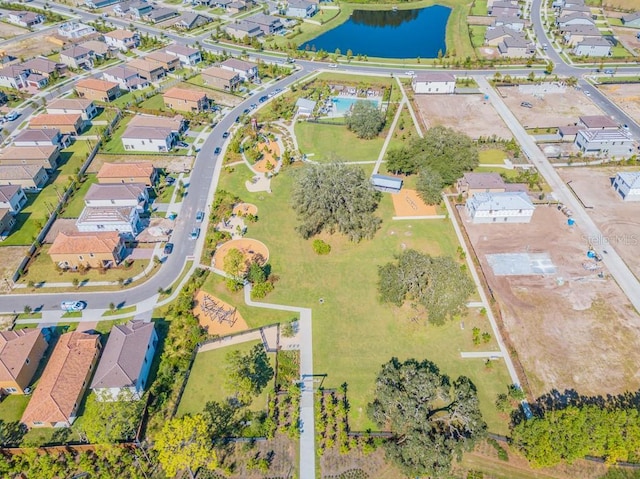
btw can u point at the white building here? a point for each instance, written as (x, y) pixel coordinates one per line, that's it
(148, 138)
(188, 56)
(593, 47)
(126, 78)
(627, 185)
(113, 194)
(509, 207)
(75, 30)
(610, 143)
(433, 83)
(12, 197)
(305, 107)
(301, 9)
(246, 70)
(123, 219)
(126, 360)
(123, 40)
(83, 106)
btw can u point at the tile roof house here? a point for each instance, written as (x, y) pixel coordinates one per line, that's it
(191, 20)
(147, 69)
(25, 19)
(516, 47)
(175, 124)
(148, 138)
(220, 78)
(140, 172)
(64, 380)
(99, 90)
(127, 78)
(123, 40)
(181, 99)
(157, 15)
(574, 19)
(44, 67)
(12, 198)
(267, 23)
(67, 123)
(29, 177)
(21, 351)
(507, 207)
(627, 185)
(14, 76)
(598, 122)
(84, 106)
(242, 29)
(301, 9)
(123, 219)
(188, 56)
(593, 47)
(117, 194)
(472, 183)
(46, 156)
(30, 137)
(574, 34)
(126, 361)
(100, 49)
(631, 20)
(246, 70)
(163, 59)
(102, 249)
(77, 56)
(433, 83)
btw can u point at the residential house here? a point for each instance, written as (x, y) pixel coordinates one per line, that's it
(181, 99)
(56, 400)
(574, 19)
(217, 3)
(191, 20)
(46, 156)
(75, 250)
(577, 8)
(610, 143)
(593, 47)
(568, 133)
(123, 40)
(123, 219)
(29, 177)
(598, 122)
(433, 83)
(126, 361)
(627, 185)
(25, 19)
(21, 351)
(176, 124)
(35, 80)
(168, 62)
(45, 67)
(14, 76)
(71, 123)
(220, 78)
(507, 207)
(236, 7)
(243, 29)
(134, 8)
(472, 183)
(631, 20)
(516, 47)
(148, 138)
(117, 194)
(12, 198)
(574, 34)
(267, 23)
(246, 70)
(93, 4)
(504, 9)
(157, 15)
(31, 137)
(74, 30)
(7, 221)
(514, 23)
(125, 77)
(301, 9)
(77, 56)
(188, 56)
(148, 70)
(84, 106)
(494, 36)
(100, 49)
(305, 107)
(98, 90)
(138, 172)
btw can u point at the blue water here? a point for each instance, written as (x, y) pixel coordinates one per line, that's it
(342, 105)
(388, 34)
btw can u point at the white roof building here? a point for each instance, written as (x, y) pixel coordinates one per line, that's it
(508, 207)
(627, 185)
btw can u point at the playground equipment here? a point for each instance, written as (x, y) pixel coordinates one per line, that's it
(217, 312)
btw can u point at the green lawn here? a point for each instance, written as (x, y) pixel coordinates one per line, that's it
(405, 130)
(156, 102)
(479, 8)
(76, 203)
(477, 32)
(207, 380)
(328, 142)
(353, 334)
(118, 311)
(128, 98)
(503, 171)
(493, 156)
(12, 407)
(114, 145)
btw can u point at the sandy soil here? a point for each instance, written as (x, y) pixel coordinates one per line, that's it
(31, 47)
(408, 203)
(9, 31)
(556, 109)
(627, 36)
(580, 332)
(243, 209)
(617, 219)
(10, 258)
(212, 325)
(470, 114)
(626, 96)
(249, 247)
(270, 153)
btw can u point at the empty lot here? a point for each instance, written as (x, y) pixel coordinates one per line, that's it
(571, 329)
(549, 110)
(470, 114)
(626, 96)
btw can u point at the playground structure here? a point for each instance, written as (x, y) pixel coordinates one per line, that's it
(216, 316)
(244, 209)
(252, 249)
(270, 155)
(217, 311)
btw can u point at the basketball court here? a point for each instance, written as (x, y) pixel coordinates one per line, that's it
(216, 316)
(408, 203)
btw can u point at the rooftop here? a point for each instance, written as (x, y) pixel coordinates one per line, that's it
(75, 51)
(434, 77)
(507, 201)
(184, 94)
(631, 178)
(238, 64)
(95, 84)
(18, 153)
(7, 192)
(120, 34)
(598, 121)
(79, 104)
(174, 123)
(219, 72)
(106, 214)
(125, 170)
(85, 243)
(146, 132)
(48, 119)
(19, 172)
(126, 191)
(483, 181)
(15, 348)
(181, 50)
(48, 134)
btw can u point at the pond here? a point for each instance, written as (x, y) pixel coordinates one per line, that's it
(388, 33)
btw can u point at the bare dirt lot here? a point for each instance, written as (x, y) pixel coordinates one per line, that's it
(470, 114)
(617, 219)
(626, 96)
(571, 329)
(31, 47)
(627, 36)
(553, 110)
(10, 258)
(9, 31)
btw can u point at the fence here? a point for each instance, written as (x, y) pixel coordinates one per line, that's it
(77, 448)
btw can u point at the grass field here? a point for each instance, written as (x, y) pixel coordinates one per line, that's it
(477, 33)
(405, 130)
(503, 171)
(76, 203)
(207, 383)
(492, 156)
(328, 142)
(353, 334)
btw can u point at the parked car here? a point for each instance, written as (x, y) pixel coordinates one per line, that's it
(526, 104)
(587, 92)
(225, 134)
(12, 116)
(609, 71)
(217, 150)
(169, 180)
(199, 216)
(237, 119)
(182, 144)
(332, 65)
(168, 248)
(262, 99)
(246, 111)
(194, 233)
(73, 305)
(410, 73)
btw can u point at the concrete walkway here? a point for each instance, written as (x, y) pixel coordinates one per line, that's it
(387, 140)
(411, 112)
(428, 217)
(268, 335)
(307, 425)
(481, 354)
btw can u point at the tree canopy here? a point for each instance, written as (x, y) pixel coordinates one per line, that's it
(248, 374)
(431, 419)
(107, 422)
(443, 150)
(429, 186)
(364, 119)
(335, 197)
(437, 284)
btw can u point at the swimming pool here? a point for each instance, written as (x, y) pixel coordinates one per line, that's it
(341, 105)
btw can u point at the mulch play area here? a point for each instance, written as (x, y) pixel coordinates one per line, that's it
(216, 316)
(408, 203)
(249, 247)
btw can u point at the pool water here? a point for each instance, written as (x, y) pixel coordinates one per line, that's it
(342, 105)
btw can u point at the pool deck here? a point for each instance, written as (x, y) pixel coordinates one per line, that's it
(335, 112)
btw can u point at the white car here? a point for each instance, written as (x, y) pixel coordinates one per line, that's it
(332, 65)
(73, 305)
(410, 73)
(587, 92)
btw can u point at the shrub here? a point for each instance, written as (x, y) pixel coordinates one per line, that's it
(321, 247)
(260, 290)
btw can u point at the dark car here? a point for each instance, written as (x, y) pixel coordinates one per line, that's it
(246, 111)
(168, 248)
(262, 99)
(217, 150)
(225, 134)
(237, 119)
